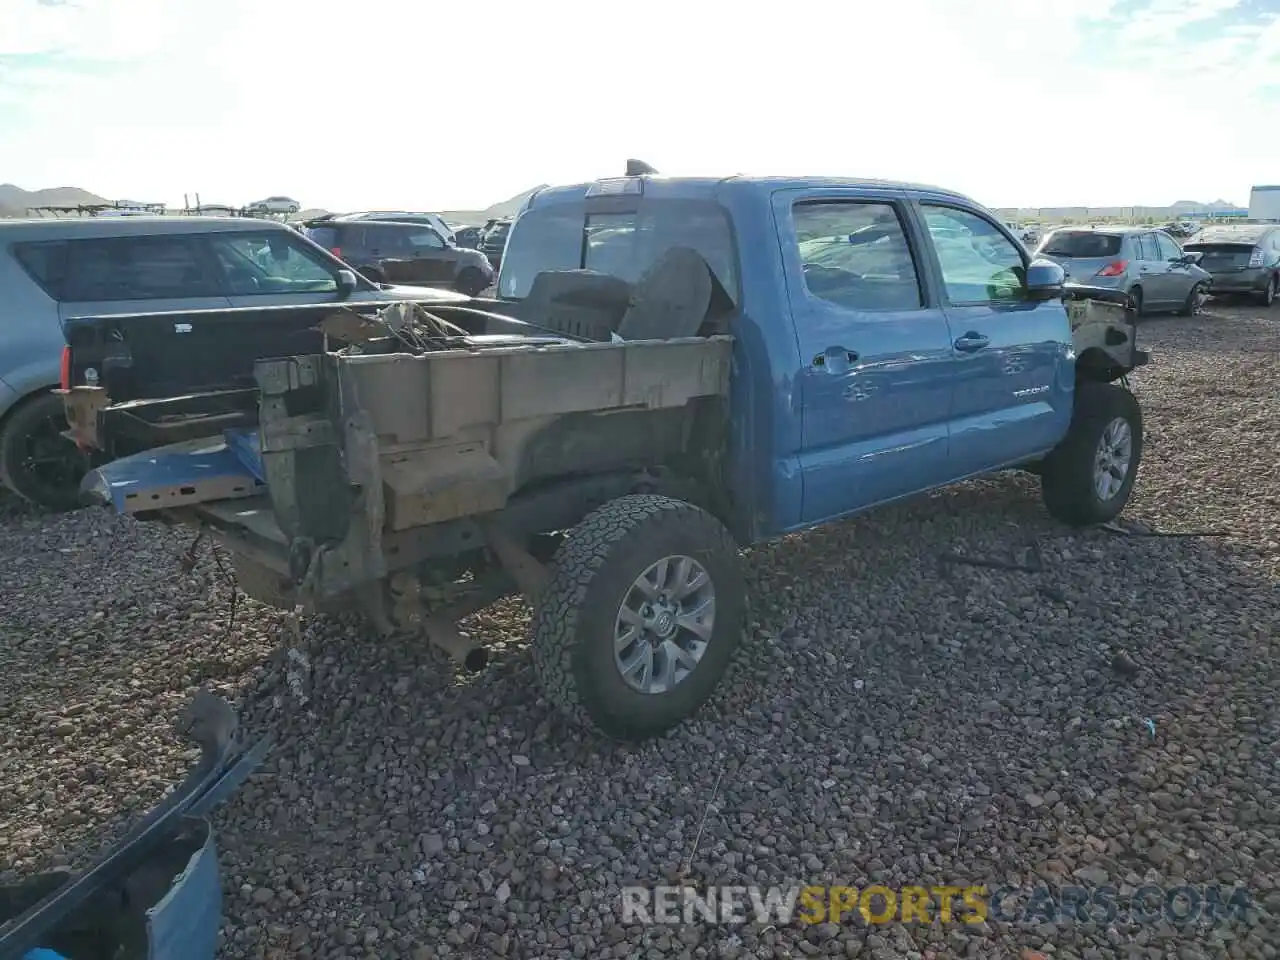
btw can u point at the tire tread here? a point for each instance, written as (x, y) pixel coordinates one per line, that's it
(578, 561)
(1066, 480)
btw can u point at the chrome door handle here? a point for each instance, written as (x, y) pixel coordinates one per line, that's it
(972, 341)
(835, 355)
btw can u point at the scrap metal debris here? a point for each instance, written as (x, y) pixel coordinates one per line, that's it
(347, 326)
(1142, 530)
(1124, 664)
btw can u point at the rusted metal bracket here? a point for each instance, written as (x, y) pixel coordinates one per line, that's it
(82, 405)
(530, 574)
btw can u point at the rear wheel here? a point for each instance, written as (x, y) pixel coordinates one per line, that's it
(1088, 478)
(1268, 296)
(645, 607)
(36, 461)
(1195, 300)
(1135, 300)
(471, 282)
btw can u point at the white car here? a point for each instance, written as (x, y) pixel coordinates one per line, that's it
(276, 205)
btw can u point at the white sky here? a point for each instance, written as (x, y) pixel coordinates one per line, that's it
(445, 104)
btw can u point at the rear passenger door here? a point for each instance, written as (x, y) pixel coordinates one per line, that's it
(1153, 272)
(875, 350)
(1179, 277)
(139, 275)
(1013, 372)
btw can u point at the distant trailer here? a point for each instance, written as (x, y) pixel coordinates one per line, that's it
(1264, 203)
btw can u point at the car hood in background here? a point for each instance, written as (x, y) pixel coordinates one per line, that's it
(396, 291)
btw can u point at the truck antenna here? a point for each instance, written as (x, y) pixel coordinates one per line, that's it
(638, 168)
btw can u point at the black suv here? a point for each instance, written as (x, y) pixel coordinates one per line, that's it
(494, 240)
(385, 250)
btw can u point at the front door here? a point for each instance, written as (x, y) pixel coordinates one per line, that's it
(1153, 272)
(875, 352)
(437, 261)
(273, 268)
(1014, 375)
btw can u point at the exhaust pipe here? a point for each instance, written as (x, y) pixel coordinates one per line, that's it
(445, 635)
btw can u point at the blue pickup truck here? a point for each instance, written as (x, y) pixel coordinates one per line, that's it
(672, 369)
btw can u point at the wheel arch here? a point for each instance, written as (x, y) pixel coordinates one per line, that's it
(24, 400)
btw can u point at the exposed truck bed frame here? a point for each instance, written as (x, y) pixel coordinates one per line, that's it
(361, 453)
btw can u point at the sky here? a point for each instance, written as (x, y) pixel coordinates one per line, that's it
(446, 104)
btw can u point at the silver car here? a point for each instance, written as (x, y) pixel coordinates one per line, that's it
(53, 270)
(1147, 264)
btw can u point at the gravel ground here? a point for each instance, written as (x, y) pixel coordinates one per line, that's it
(888, 720)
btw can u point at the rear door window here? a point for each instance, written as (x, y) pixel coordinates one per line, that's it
(856, 255)
(46, 264)
(139, 268)
(1168, 249)
(1145, 244)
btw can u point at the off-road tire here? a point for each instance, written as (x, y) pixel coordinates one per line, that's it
(573, 625)
(1192, 304)
(1066, 478)
(26, 418)
(1268, 296)
(375, 274)
(471, 282)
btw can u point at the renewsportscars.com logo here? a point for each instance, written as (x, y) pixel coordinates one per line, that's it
(972, 903)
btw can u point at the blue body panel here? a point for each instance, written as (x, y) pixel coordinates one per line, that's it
(833, 408)
(912, 410)
(246, 448)
(165, 472)
(184, 924)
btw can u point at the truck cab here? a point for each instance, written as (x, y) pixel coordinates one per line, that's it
(886, 340)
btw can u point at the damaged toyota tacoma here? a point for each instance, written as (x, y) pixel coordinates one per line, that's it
(673, 369)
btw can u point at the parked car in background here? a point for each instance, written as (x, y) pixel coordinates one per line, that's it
(275, 205)
(1242, 258)
(367, 244)
(467, 237)
(433, 220)
(1146, 264)
(493, 241)
(1025, 233)
(55, 270)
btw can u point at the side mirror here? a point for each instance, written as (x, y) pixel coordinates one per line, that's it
(347, 282)
(1191, 257)
(1045, 280)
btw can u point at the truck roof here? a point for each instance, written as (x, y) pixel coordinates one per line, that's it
(706, 187)
(71, 228)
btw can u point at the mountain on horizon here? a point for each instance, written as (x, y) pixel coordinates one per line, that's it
(1194, 205)
(14, 201)
(505, 208)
